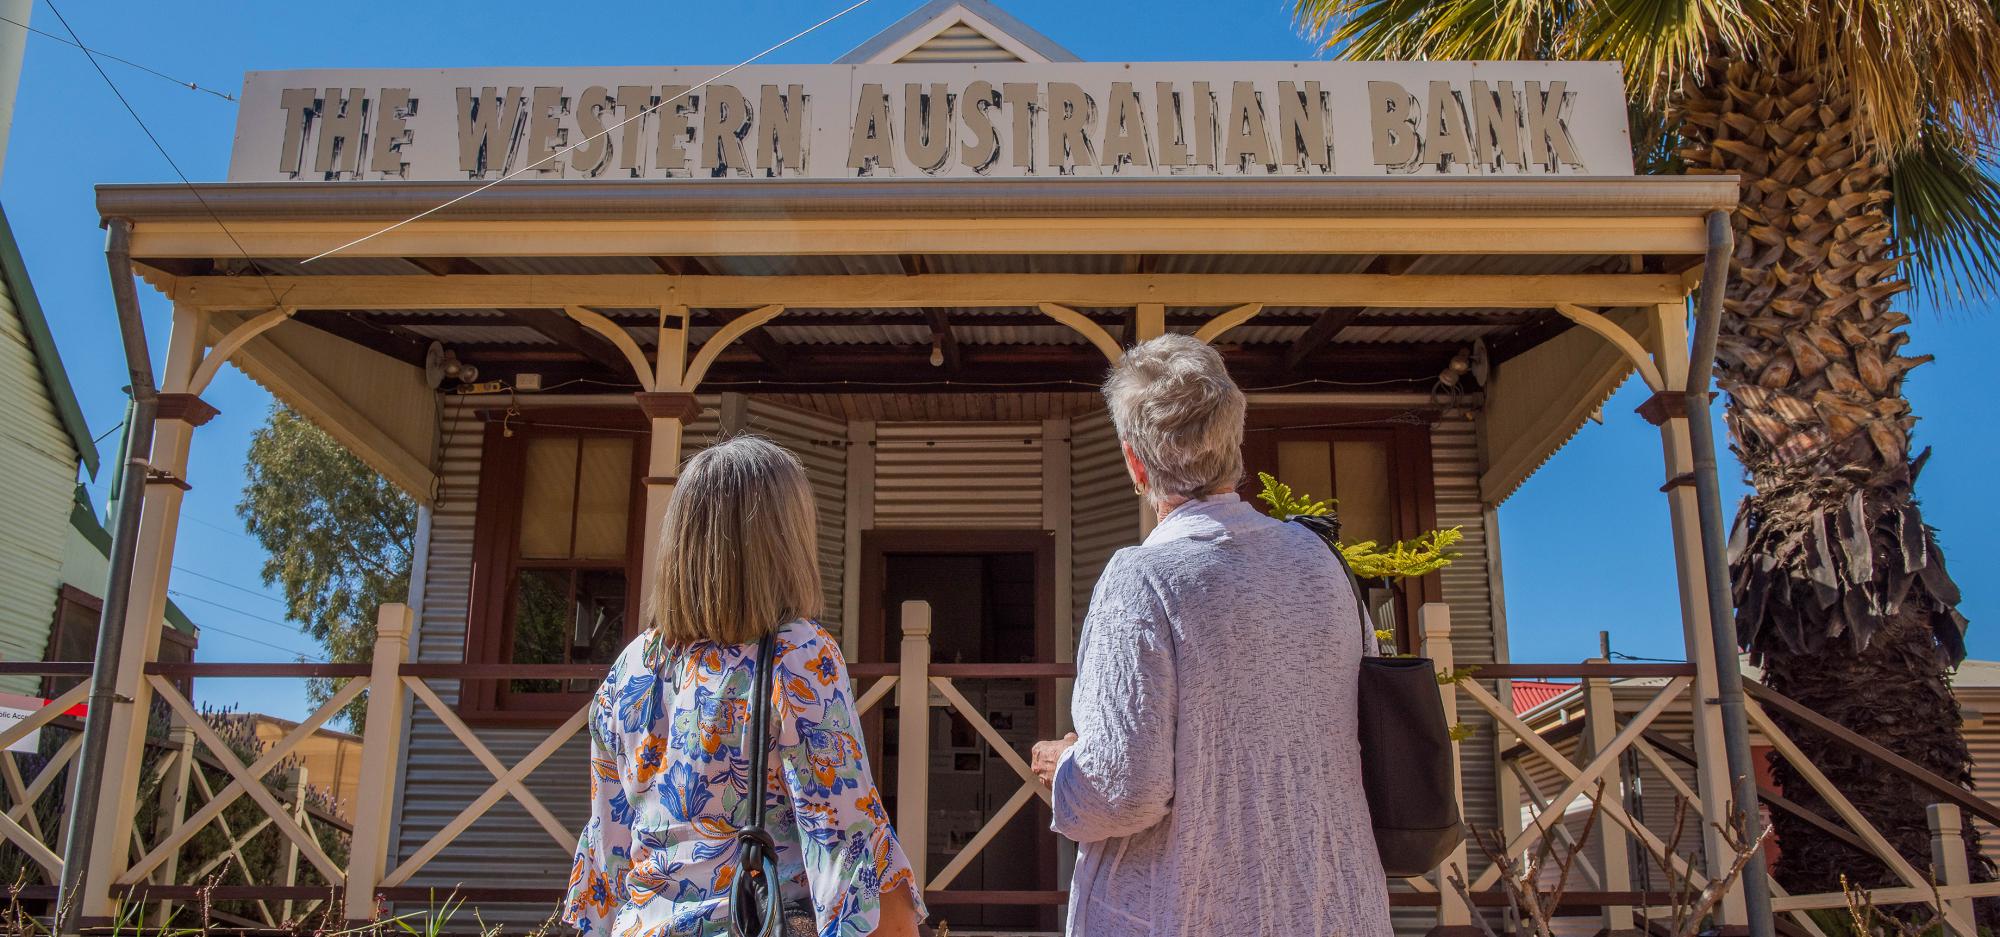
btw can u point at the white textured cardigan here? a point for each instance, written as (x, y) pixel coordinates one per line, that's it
(1215, 786)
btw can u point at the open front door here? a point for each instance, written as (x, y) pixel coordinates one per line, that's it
(992, 602)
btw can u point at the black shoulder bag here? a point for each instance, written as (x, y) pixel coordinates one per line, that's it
(1406, 763)
(754, 906)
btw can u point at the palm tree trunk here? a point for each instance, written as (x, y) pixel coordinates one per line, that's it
(1840, 590)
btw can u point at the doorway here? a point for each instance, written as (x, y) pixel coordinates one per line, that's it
(992, 602)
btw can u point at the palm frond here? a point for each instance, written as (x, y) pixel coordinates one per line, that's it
(1433, 29)
(1946, 200)
(1662, 41)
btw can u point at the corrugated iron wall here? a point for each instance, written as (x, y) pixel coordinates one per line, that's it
(1468, 590)
(820, 442)
(967, 475)
(439, 776)
(1104, 513)
(39, 462)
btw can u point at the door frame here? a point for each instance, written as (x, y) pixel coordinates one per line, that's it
(871, 632)
(871, 635)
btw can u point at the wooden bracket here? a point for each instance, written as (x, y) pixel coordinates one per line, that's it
(1666, 405)
(188, 408)
(1683, 480)
(163, 477)
(668, 405)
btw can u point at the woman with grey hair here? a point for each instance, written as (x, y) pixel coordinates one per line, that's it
(1213, 782)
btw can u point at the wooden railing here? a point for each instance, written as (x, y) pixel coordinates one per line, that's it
(371, 875)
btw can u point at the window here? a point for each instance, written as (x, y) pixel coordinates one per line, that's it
(74, 638)
(1381, 477)
(555, 579)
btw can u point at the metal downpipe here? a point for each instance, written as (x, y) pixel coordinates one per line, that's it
(87, 793)
(1715, 567)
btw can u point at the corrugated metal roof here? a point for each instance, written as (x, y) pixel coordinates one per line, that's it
(556, 266)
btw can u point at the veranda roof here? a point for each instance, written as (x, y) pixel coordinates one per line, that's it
(1361, 286)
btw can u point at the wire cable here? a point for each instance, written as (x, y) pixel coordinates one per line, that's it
(276, 298)
(238, 634)
(229, 585)
(191, 86)
(858, 4)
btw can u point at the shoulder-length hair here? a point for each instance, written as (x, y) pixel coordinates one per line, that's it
(737, 547)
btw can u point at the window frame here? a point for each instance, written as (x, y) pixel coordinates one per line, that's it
(1412, 484)
(497, 564)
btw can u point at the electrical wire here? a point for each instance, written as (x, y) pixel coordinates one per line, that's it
(191, 86)
(227, 584)
(240, 635)
(276, 297)
(858, 4)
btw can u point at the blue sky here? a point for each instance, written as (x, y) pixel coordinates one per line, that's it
(1585, 542)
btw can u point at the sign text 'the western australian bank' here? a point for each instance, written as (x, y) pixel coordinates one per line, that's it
(919, 121)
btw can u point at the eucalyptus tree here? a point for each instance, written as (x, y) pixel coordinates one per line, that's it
(1860, 132)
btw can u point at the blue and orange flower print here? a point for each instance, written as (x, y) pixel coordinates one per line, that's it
(670, 786)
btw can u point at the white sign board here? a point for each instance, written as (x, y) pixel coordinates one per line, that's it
(13, 709)
(919, 121)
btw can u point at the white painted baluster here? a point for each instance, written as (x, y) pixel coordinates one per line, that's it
(1614, 851)
(913, 741)
(381, 742)
(1434, 630)
(1949, 866)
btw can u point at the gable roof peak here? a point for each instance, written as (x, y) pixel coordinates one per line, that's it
(957, 31)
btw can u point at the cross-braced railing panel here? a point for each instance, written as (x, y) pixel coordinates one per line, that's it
(19, 826)
(245, 781)
(508, 781)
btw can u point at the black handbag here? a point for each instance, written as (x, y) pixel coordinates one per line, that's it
(754, 908)
(1406, 755)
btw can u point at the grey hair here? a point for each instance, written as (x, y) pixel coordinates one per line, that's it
(1173, 402)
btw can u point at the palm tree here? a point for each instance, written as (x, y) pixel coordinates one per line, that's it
(1860, 131)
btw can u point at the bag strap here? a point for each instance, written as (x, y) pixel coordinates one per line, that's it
(760, 727)
(758, 852)
(1327, 529)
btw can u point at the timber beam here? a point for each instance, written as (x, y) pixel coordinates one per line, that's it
(1410, 291)
(366, 331)
(557, 327)
(885, 367)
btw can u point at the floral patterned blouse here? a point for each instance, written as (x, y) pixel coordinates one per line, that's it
(669, 788)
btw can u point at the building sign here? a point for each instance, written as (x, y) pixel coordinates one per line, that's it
(919, 121)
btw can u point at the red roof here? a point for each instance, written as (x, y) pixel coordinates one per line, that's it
(1529, 694)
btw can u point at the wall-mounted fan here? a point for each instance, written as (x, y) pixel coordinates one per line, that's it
(441, 365)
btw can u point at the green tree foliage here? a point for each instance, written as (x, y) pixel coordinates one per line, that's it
(339, 535)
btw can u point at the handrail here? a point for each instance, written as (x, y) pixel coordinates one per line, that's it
(46, 668)
(1578, 671)
(237, 669)
(449, 671)
(1839, 733)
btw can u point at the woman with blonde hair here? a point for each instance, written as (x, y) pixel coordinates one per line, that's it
(1214, 779)
(671, 730)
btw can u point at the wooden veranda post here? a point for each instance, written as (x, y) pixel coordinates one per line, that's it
(1667, 410)
(913, 738)
(381, 745)
(172, 803)
(668, 406)
(181, 410)
(1434, 627)
(1950, 867)
(1614, 855)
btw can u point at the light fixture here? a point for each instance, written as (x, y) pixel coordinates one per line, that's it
(937, 352)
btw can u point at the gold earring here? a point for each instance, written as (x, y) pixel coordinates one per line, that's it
(1139, 489)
